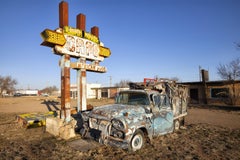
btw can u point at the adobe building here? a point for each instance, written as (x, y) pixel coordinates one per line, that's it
(222, 92)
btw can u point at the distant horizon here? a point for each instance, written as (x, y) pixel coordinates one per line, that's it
(114, 85)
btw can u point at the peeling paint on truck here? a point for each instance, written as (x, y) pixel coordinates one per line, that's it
(137, 116)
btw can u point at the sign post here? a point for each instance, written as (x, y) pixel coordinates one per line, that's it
(81, 72)
(65, 68)
(65, 88)
(77, 43)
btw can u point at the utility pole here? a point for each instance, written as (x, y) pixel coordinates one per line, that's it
(110, 81)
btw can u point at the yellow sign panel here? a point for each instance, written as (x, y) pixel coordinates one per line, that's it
(53, 37)
(73, 31)
(91, 37)
(80, 33)
(105, 52)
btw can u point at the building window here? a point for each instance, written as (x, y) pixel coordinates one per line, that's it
(104, 93)
(194, 94)
(219, 92)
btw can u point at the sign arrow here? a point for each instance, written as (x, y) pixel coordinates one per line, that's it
(105, 52)
(51, 38)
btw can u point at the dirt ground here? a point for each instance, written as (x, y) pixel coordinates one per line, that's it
(209, 134)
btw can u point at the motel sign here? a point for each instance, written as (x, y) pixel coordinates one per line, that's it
(86, 47)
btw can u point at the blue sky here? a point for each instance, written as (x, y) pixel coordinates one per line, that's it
(147, 38)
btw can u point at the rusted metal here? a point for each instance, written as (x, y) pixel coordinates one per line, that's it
(95, 31)
(81, 21)
(65, 68)
(139, 114)
(65, 88)
(63, 14)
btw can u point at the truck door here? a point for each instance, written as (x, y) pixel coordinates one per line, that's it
(162, 115)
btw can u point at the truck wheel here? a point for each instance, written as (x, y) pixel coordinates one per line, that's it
(176, 125)
(138, 140)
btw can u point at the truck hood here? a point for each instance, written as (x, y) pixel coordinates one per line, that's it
(109, 112)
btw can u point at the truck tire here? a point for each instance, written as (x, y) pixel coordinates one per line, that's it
(176, 124)
(138, 140)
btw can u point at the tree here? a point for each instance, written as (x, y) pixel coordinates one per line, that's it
(49, 90)
(123, 83)
(176, 79)
(231, 73)
(7, 84)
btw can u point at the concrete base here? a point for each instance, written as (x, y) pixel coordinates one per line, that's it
(58, 127)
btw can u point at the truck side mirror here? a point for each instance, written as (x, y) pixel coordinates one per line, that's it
(148, 110)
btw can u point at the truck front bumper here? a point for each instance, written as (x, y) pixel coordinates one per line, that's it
(116, 143)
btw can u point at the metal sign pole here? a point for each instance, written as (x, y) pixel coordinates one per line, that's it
(65, 68)
(83, 86)
(81, 73)
(65, 88)
(78, 88)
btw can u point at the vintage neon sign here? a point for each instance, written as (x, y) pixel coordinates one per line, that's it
(76, 43)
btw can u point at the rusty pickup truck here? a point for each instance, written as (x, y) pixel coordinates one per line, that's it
(138, 115)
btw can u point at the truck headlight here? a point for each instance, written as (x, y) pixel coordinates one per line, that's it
(117, 129)
(117, 124)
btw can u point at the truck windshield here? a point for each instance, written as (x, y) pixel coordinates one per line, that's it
(132, 98)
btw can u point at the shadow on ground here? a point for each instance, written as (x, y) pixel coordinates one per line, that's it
(51, 105)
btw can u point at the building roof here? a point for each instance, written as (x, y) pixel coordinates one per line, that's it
(221, 82)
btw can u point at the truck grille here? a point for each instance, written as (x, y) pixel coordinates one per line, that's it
(97, 123)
